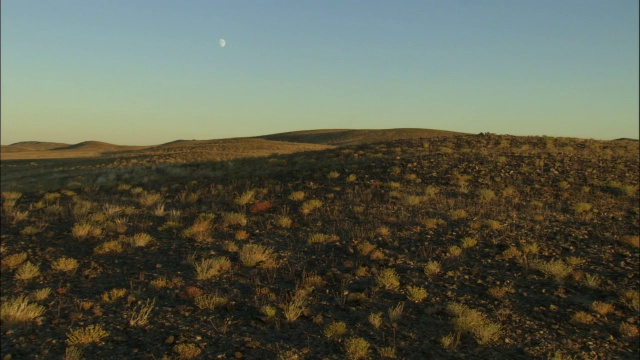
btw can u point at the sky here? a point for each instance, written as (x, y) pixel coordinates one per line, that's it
(148, 72)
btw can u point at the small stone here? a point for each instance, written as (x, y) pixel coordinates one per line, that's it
(170, 340)
(238, 355)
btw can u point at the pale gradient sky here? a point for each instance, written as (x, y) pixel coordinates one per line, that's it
(151, 71)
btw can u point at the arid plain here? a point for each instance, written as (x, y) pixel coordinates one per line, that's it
(323, 244)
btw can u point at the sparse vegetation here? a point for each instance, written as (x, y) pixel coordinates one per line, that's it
(506, 247)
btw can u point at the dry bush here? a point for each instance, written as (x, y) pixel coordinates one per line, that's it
(388, 279)
(416, 294)
(631, 240)
(582, 317)
(139, 240)
(27, 271)
(65, 264)
(187, 351)
(112, 246)
(602, 308)
(335, 330)
(284, 221)
(252, 254)
(295, 307)
(210, 302)
(375, 319)
(297, 196)
(309, 206)
(113, 295)
(554, 268)
(14, 260)
(86, 335)
(365, 248)
(628, 330)
(356, 348)
(140, 315)
(41, 294)
(432, 268)
(14, 311)
(245, 198)
(233, 219)
(210, 267)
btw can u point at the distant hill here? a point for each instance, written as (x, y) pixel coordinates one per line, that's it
(97, 146)
(31, 146)
(340, 137)
(282, 143)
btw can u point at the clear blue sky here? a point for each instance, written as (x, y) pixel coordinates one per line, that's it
(151, 71)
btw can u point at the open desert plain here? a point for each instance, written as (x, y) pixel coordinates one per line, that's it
(323, 244)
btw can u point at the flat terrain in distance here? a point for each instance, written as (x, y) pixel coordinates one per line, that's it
(324, 244)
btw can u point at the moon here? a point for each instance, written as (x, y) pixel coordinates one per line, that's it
(222, 43)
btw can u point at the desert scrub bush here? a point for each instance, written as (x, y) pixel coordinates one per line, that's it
(356, 348)
(86, 335)
(233, 219)
(454, 251)
(602, 308)
(294, 308)
(112, 246)
(628, 330)
(200, 230)
(149, 199)
(14, 260)
(113, 295)
(387, 352)
(416, 294)
(365, 248)
(139, 239)
(388, 279)
(631, 240)
(433, 223)
(395, 313)
(159, 210)
(15, 311)
(318, 238)
(498, 292)
(83, 230)
(284, 221)
(187, 351)
(111, 210)
(351, 178)
(449, 342)
(210, 302)
(411, 200)
(244, 198)
(432, 268)
(486, 195)
(252, 254)
(297, 196)
(582, 317)
(207, 268)
(554, 268)
(472, 321)
(333, 175)
(592, 281)
(65, 264)
(458, 214)
(31, 230)
(631, 299)
(309, 206)
(469, 242)
(382, 231)
(72, 353)
(41, 294)
(140, 314)
(27, 271)
(269, 311)
(582, 207)
(335, 330)
(375, 319)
